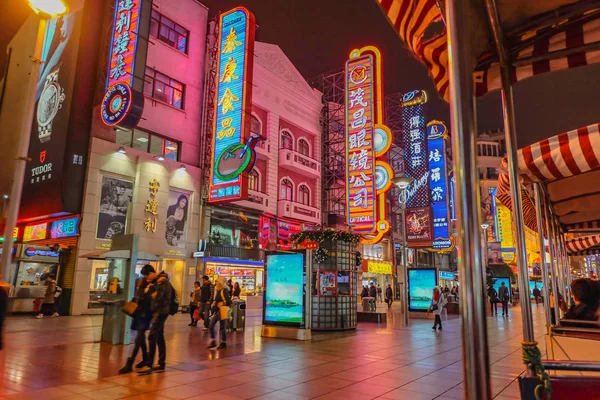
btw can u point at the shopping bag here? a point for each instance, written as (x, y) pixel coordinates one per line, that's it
(196, 315)
(129, 308)
(224, 312)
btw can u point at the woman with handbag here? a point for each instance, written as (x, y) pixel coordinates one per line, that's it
(139, 309)
(437, 305)
(221, 307)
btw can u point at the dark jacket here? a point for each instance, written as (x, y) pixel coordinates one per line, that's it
(3, 307)
(503, 293)
(206, 292)
(143, 314)
(365, 292)
(237, 291)
(162, 294)
(388, 293)
(219, 296)
(372, 291)
(582, 312)
(493, 295)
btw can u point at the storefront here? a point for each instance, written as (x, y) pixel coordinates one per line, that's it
(378, 273)
(134, 193)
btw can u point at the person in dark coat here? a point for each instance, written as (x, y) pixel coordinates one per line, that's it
(4, 288)
(493, 295)
(586, 295)
(141, 320)
(236, 290)
(365, 292)
(504, 296)
(389, 295)
(206, 298)
(373, 291)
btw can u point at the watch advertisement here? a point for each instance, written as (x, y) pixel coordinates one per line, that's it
(58, 146)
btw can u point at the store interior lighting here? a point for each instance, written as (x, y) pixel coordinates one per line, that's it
(122, 150)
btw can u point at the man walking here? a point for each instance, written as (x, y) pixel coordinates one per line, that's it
(206, 298)
(162, 296)
(536, 294)
(389, 296)
(504, 298)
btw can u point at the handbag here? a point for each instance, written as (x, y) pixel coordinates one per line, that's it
(433, 307)
(129, 308)
(196, 315)
(224, 310)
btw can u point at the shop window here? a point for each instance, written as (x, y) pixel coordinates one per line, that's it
(287, 142)
(286, 190)
(253, 181)
(304, 195)
(167, 31)
(163, 88)
(303, 147)
(148, 143)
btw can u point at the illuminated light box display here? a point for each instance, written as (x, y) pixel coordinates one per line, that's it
(64, 228)
(122, 105)
(447, 275)
(505, 232)
(284, 294)
(368, 175)
(35, 232)
(438, 185)
(233, 154)
(420, 288)
(532, 285)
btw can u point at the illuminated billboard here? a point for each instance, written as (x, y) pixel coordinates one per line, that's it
(438, 184)
(420, 288)
(123, 100)
(505, 232)
(284, 290)
(368, 175)
(233, 153)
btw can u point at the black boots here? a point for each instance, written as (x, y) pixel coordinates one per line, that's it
(128, 367)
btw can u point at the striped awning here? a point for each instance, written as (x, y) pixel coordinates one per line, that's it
(503, 195)
(583, 244)
(569, 165)
(552, 38)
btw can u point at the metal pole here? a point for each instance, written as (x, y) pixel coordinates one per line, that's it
(553, 262)
(567, 267)
(404, 290)
(464, 132)
(513, 168)
(23, 150)
(538, 213)
(561, 275)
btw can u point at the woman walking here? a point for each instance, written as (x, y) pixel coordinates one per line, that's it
(141, 319)
(437, 304)
(194, 303)
(493, 295)
(220, 306)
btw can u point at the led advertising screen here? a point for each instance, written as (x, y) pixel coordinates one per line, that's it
(420, 288)
(284, 289)
(533, 285)
(497, 282)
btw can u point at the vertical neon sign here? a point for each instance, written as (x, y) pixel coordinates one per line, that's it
(438, 184)
(124, 41)
(232, 148)
(368, 175)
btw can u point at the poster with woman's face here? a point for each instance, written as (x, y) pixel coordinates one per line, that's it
(177, 216)
(115, 197)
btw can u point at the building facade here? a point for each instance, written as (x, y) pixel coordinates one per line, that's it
(146, 181)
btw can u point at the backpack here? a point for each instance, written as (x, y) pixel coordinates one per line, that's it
(174, 306)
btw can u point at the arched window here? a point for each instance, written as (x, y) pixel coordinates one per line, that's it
(286, 190)
(256, 126)
(303, 147)
(253, 181)
(287, 141)
(304, 195)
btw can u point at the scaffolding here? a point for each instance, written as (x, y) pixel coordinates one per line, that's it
(393, 120)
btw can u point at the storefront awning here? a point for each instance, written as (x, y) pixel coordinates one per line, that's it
(584, 245)
(123, 254)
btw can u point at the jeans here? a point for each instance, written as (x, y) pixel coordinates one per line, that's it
(205, 312)
(156, 338)
(193, 308)
(438, 321)
(222, 327)
(505, 307)
(494, 306)
(140, 344)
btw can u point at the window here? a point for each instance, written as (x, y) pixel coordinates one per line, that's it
(286, 190)
(304, 195)
(148, 143)
(303, 147)
(162, 88)
(253, 181)
(256, 126)
(287, 142)
(492, 173)
(169, 32)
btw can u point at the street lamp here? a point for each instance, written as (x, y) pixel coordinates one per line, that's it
(402, 182)
(45, 9)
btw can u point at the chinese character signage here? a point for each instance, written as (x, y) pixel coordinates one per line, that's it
(368, 175)
(438, 184)
(152, 206)
(64, 228)
(415, 148)
(35, 232)
(123, 101)
(264, 231)
(232, 147)
(505, 232)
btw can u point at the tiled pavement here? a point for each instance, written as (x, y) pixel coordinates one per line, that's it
(59, 359)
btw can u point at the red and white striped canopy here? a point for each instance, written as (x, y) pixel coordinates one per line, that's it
(410, 18)
(504, 196)
(584, 245)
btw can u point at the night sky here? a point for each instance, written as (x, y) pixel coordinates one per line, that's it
(317, 36)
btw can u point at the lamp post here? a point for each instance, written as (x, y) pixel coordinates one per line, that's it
(402, 182)
(45, 9)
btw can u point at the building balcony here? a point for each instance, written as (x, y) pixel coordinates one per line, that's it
(256, 200)
(299, 211)
(298, 162)
(263, 149)
(240, 253)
